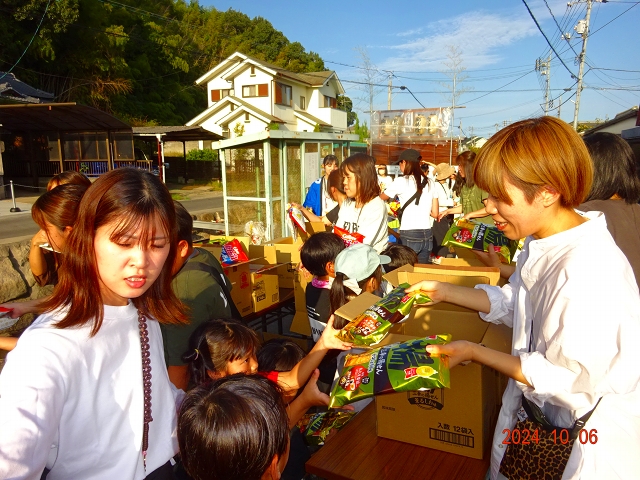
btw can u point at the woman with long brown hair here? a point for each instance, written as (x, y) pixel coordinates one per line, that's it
(86, 394)
(363, 211)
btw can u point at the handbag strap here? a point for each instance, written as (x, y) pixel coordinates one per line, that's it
(416, 196)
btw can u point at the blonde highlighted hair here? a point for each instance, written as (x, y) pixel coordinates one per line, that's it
(533, 154)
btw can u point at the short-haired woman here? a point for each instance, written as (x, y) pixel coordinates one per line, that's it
(572, 303)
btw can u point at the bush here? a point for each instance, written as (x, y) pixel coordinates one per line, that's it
(207, 155)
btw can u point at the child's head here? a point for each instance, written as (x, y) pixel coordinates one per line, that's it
(221, 347)
(235, 427)
(279, 355)
(56, 212)
(184, 222)
(400, 255)
(359, 178)
(68, 177)
(358, 269)
(319, 253)
(329, 164)
(123, 244)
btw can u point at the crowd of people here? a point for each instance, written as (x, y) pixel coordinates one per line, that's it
(139, 365)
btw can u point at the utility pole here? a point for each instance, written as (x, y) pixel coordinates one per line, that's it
(583, 29)
(453, 114)
(544, 67)
(389, 88)
(559, 105)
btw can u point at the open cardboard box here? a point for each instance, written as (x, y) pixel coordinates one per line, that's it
(284, 251)
(265, 291)
(460, 419)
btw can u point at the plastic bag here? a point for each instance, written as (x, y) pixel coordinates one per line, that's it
(316, 427)
(233, 252)
(371, 326)
(256, 232)
(400, 367)
(478, 236)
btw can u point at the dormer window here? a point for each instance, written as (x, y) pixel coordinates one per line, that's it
(284, 94)
(261, 90)
(303, 103)
(253, 71)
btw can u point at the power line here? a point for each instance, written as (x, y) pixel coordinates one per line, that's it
(545, 37)
(30, 42)
(615, 18)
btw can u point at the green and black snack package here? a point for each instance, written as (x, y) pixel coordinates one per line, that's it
(371, 326)
(317, 426)
(478, 236)
(400, 367)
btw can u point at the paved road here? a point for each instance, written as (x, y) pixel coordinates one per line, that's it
(17, 226)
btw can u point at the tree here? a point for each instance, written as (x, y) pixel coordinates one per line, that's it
(455, 71)
(361, 130)
(345, 104)
(370, 80)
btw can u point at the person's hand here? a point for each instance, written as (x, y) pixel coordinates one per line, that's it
(39, 238)
(328, 339)
(443, 214)
(489, 258)
(311, 396)
(458, 352)
(297, 205)
(435, 290)
(16, 308)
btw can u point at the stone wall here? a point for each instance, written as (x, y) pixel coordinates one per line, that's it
(17, 284)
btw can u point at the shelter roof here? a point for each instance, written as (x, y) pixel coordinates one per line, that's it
(52, 117)
(14, 89)
(177, 133)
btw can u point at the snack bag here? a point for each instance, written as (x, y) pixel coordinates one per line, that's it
(478, 236)
(5, 320)
(297, 218)
(317, 426)
(232, 252)
(347, 237)
(256, 232)
(371, 326)
(400, 367)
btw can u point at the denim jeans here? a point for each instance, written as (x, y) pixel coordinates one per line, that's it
(420, 241)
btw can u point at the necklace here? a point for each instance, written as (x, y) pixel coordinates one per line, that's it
(146, 381)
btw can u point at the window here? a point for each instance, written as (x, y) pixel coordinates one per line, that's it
(253, 71)
(303, 103)
(217, 95)
(246, 117)
(283, 94)
(261, 90)
(329, 102)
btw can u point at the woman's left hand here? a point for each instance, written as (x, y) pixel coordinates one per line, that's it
(458, 352)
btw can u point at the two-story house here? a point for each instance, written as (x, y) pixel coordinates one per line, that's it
(247, 95)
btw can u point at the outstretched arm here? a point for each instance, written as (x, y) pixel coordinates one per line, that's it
(472, 298)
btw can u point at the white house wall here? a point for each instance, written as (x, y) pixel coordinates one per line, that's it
(245, 78)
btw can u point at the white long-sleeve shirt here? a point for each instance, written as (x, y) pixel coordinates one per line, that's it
(370, 221)
(74, 403)
(415, 216)
(578, 292)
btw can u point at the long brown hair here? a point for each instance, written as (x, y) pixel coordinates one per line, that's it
(128, 198)
(59, 206)
(68, 177)
(363, 168)
(466, 160)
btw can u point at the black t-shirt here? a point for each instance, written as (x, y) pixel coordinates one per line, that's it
(319, 310)
(332, 215)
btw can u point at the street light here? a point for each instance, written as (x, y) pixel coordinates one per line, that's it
(407, 89)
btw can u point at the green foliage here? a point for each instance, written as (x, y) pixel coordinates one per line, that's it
(274, 126)
(361, 130)
(345, 103)
(316, 128)
(138, 60)
(207, 155)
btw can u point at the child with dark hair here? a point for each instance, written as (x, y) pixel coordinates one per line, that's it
(279, 355)
(317, 255)
(235, 427)
(400, 255)
(219, 348)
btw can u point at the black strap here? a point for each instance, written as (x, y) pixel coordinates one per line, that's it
(222, 282)
(416, 196)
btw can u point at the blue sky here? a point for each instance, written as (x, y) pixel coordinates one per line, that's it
(499, 42)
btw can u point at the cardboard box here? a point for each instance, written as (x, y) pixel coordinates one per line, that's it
(265, 291)
(460, 419)
(240, 277)
(300, 323)
(284, 251)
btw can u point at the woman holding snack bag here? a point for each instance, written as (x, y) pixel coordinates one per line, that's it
(575, 315)
(363, 214)
(86, 394)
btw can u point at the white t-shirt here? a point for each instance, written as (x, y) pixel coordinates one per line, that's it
(370, 221)
(445, 195)
(414, 217)
(328, 203)
(75, 403)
